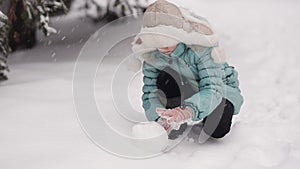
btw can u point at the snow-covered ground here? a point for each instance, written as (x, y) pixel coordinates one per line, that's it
(39, 127)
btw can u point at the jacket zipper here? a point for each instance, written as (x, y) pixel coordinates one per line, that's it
(182, 104)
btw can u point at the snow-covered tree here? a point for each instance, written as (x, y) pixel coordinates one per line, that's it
(44, 8)
(25, 16)
(119, 8)
(110, 9)
(3, 34)
(4, 48)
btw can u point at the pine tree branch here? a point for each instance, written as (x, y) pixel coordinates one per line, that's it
(4, 48)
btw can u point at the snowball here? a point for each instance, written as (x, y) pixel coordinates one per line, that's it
(150, 136)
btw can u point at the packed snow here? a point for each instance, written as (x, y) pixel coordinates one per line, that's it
(39, 126)
(154, 135)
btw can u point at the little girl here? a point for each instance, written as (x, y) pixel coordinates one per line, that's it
(186, 77)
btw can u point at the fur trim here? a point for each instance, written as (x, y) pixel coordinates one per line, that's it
(218, 54)
(163, 36)
(166, 25)
(135, 62)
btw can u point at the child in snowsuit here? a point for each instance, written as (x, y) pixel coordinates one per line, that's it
(186, 77)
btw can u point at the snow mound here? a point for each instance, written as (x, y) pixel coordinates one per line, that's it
(150, 136)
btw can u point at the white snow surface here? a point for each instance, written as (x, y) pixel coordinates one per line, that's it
(39, 127)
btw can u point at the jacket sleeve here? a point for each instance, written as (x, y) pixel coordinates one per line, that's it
(150, 96)
(210, 85)
(232, 90)
(231, 76)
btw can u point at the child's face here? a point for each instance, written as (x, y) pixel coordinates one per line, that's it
(167, 50)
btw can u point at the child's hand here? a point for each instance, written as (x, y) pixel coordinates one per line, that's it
(177, 115)
(160, 111)
(163, 122)
(173, 118)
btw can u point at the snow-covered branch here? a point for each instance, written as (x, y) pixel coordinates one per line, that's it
(45, 7)
(4, 48)
(112, 9)
(121, 8)
(41, 9)
(3, 34)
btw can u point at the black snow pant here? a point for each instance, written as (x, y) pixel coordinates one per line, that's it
(172, 93)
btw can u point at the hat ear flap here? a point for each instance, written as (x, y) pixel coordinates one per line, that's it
(134, 64)
(201, 28)
(218, 54)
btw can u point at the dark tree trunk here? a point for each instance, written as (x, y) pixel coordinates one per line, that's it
(22, 28)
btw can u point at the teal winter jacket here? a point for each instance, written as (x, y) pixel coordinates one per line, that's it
(214, 80)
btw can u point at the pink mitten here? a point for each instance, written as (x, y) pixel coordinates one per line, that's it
(163, 122)
(178, 115)
(160, 111)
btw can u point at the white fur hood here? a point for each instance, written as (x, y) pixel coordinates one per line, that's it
(165, 24)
